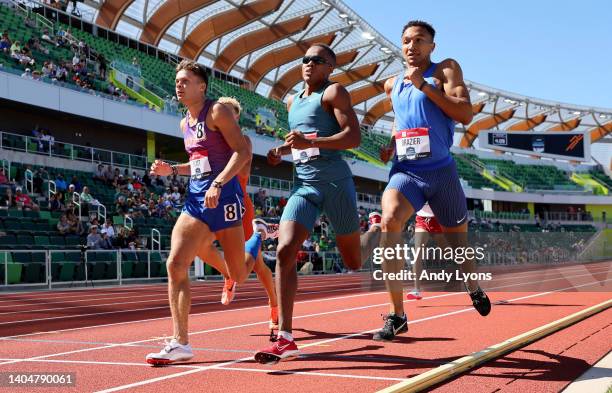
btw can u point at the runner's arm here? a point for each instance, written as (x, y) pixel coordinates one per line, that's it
(224, 122)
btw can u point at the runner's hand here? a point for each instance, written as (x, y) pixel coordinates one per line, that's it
(161, 168)
(386, 153)
(416, 76)
(274, 156)
(297, 140)
(211, 198)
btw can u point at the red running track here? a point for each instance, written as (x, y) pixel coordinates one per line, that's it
(103, 335)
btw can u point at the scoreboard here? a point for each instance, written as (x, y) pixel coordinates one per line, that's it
(574, 146)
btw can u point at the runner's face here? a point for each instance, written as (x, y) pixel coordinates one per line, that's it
(189, 87)
(417, 45)
(312, 72)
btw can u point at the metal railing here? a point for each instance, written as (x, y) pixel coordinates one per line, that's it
(28, 144)
(155, 240)
(29, 181)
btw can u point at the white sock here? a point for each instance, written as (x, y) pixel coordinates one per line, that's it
(286, 335)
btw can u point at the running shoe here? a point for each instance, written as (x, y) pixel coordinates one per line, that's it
(414, 295)
(281, 349)
(481, 302)
(269, 231)
(171, 353)
(393, 326)
(229, 291)
(375, 218)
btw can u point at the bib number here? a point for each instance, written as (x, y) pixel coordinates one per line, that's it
(200, 167)
(230, 212)
(412, 144)
(305, 155)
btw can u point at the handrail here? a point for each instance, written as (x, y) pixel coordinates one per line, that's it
(128, 220)
(154, 241)
(51, 191)
(103, 215)
(29, 181)
(76, 199)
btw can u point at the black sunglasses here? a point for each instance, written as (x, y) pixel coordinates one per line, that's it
(314, 59)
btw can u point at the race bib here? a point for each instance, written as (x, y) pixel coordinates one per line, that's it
(305, 155)
(412, 144)
(200, 167)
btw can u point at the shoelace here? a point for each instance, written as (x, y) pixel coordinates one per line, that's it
(388, 322)
(168, 345)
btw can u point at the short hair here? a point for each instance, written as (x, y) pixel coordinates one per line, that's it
(233, 102)
(327, 50)
(420, 23)
(190, 65)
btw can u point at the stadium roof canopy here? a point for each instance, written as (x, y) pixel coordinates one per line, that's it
(262, 42)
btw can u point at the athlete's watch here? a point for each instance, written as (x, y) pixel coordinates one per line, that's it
(217, 184)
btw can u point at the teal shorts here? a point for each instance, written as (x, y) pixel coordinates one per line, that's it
(337, 200)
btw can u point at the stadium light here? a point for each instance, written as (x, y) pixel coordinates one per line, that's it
(482, 94)
(325, 3)
(576, 112)
(367, 35)
(343, 16)
(602, 116)
(351, 22)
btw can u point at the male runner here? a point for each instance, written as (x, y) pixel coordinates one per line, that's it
(210, 254)
(322, 123)
(427, 100)
(213, 209)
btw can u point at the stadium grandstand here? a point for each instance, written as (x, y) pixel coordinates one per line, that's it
(88, 104)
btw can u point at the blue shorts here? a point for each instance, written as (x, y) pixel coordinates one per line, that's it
(337, 200)
(228, 212)
(440, 187)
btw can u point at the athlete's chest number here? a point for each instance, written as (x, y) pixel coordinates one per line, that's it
(305, 155)
(200, 134)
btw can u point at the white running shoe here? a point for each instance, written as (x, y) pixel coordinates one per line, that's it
(269, 231)
(171, 353)
(414, 295)
(229, 291)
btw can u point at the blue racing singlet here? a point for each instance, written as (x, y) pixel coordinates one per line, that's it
(416, 112)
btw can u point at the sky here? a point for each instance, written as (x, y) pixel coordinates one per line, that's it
(554, 50)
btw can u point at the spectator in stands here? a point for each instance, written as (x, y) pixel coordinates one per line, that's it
(7, 200)
(60, 183)
(70, 192)
(260, 198)
(102, 66)
(76, 226)
(121, 207)
(5, 42)
(3, 178)
(37, 180)
(88, 198)
(27, 74)
(159, 182)
(63, 226)
(105, 242)
(109, 228)
(99, 173)
(48, 70)
(30, 22)
(120, 241)
(93, 237)
(61, 73)
(76, 183)
(34, 44)
(54, 204)
(24, 201)
(47, 37)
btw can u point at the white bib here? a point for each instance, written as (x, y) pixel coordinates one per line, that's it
(412, 144)
(200, 167)
(305, 155)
